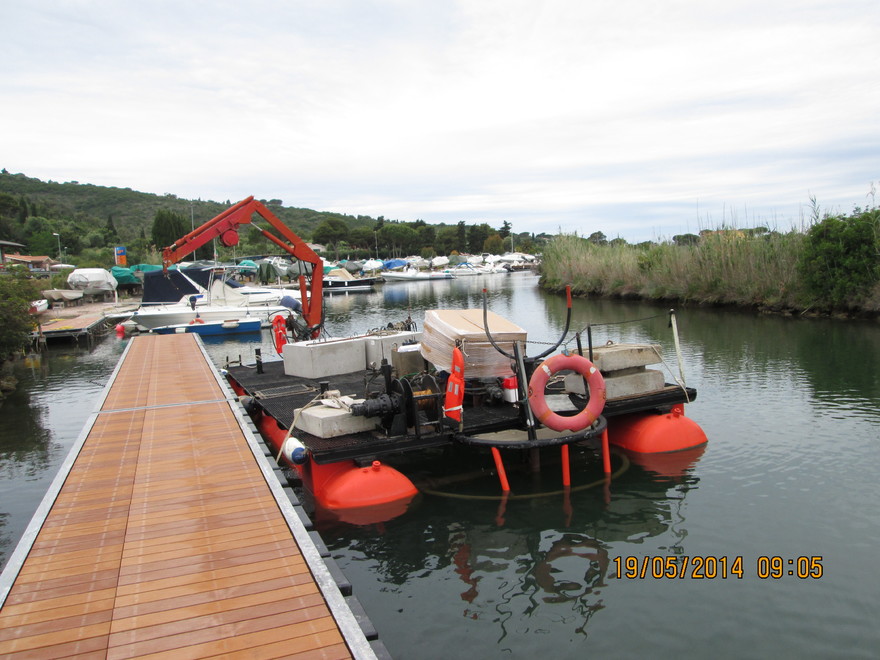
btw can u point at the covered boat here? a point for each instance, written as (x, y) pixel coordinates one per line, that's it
(92, 281)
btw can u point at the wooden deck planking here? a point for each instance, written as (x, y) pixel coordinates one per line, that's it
(164, 540)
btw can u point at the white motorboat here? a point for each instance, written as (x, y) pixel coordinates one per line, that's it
(417, 275)
(180, 296)
(159, 316)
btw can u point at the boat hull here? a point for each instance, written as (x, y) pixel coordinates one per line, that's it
(416, 277)
(166, 315)
(226, 327)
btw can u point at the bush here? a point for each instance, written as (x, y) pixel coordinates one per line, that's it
(839, 262)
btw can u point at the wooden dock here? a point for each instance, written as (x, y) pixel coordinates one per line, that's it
(167, 534)
(86, 325)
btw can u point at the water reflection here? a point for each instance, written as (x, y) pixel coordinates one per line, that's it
(511, 566)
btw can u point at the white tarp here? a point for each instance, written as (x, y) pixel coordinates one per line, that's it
(91, 280)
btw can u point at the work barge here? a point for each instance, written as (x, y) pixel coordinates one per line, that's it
(140, 548)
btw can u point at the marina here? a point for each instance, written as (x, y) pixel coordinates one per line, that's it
(138, 549)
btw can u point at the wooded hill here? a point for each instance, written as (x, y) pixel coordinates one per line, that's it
(133, 211)
(88, 220)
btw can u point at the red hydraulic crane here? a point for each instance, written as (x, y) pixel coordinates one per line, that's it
(225, 228)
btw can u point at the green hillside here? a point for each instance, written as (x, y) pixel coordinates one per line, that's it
(133, 211)
(67, 220)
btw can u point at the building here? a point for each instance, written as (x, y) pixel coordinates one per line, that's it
(37, 263)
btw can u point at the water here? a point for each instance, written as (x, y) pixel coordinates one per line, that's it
(791, 410)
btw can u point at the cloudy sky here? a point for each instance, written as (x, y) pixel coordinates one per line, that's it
(638, 119)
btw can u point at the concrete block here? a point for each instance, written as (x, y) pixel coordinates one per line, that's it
(640, 382)
(319, 359)
(617, 357)
(328, 422)
(384, 346)
(407, 361)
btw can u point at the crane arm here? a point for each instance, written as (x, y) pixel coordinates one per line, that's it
(225, 227)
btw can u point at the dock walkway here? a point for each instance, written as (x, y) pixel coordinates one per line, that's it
(166, 534)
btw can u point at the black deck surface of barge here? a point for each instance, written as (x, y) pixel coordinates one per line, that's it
(280, 395)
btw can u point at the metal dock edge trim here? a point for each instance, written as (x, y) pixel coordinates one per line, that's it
(351, 631)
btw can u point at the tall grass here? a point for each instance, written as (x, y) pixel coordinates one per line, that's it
(729, 267)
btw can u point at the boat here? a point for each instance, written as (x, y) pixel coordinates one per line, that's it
(201, 327)
(346, 413)
(411, 274)
(340, 279)
(63, 295)
(464, 270)
(178, 297)
(38, 306)
(92, 281)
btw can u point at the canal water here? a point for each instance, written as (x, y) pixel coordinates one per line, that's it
(773, 527)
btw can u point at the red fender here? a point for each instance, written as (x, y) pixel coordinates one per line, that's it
(538, 382)
(279, 332)
(455, 387)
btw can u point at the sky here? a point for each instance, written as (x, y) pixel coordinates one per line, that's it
(638, 119)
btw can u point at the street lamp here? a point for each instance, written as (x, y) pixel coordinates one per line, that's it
(58, 236)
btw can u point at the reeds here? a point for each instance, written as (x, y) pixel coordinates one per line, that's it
(726, 267)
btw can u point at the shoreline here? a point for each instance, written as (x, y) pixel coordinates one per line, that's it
(754, 308)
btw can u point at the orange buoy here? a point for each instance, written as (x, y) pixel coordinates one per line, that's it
(649, 433)
(361, 495)
(538, 382)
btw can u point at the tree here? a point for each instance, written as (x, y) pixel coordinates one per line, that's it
(686, 239)
(504, 232)
(427, 234)
(839, 261)
(110, 235)
(446, 240)
(16, 323)
(401, 239)
(330, 231)
(597, 238)
(477, 235)
(494, 244)
(461, 237)
(168, 226)
(362, 237)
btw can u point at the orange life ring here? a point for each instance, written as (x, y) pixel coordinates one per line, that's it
(279, 332)
(197, 320)
(538, 382)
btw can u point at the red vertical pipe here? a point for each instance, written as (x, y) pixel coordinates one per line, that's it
(566, 467)
(606, 454)
(499, 466)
